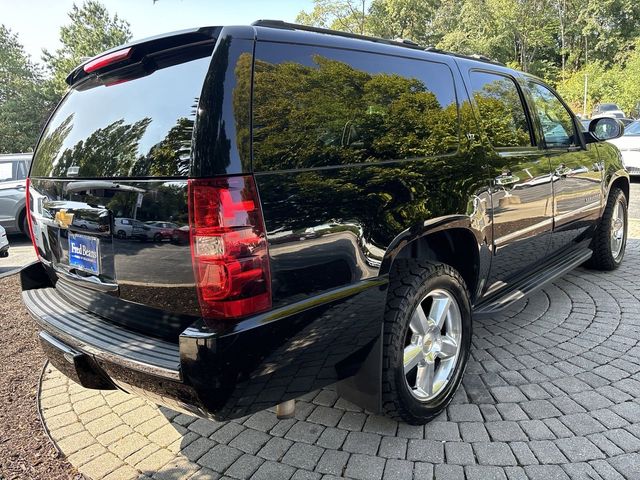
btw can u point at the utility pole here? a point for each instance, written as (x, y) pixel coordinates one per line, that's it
(363, 17)
(586, 76)
(584, 105)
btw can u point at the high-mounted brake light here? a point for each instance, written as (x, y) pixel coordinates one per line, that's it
(228, 247)
(106, 60)
(29, 219)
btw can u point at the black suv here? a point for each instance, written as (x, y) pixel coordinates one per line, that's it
(347, 205)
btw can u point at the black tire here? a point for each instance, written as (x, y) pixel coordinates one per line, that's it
(412, 282)
(603, 258)
(24, 224)
(157, 237)
(121, 234)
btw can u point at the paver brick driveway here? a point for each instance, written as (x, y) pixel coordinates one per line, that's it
(552, 392)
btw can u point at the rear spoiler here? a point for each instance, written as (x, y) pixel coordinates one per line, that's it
(136, 51)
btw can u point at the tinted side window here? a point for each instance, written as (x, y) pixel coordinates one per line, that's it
(318, 106)
(501, 110)
(21, 170)
(556, 121)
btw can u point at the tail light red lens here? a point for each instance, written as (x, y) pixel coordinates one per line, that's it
(229, 247)
(29, 218)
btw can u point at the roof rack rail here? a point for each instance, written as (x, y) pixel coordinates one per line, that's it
(484, 58)
(295, 26)
(400, 42)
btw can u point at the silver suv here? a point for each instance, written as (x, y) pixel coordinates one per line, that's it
(14, 168)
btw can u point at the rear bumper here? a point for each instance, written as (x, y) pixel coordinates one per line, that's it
(227, 372)
(98, 354)
(101, 339)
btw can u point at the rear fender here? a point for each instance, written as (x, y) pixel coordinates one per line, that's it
(365, 387)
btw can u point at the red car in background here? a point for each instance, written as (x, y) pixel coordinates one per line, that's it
(159, 231)
(180, 235)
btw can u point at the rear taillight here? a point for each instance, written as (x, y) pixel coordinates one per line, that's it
(29, 219)
(228, 247)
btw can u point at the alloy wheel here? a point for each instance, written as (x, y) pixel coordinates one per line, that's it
(617, 230)
(433, 345)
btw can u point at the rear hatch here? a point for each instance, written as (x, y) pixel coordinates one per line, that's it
(115, 155)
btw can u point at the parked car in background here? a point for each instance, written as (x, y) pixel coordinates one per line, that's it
(381, 158)
(14, 169)
(629, 146)
(4, 243)
(159, 231)
(180, 235)
(131, 228)
(607, 110)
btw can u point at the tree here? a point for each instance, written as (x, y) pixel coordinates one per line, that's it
(108, 151)
(345, 15)
(23, 104)
(91, 31)
(412, 19)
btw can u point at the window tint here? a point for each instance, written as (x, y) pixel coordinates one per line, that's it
(136, 128)
(318, 106)
(21, 171)
(556, 121)
(501, 110)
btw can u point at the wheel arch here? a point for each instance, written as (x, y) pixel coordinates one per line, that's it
(620, 179)
(452, 241)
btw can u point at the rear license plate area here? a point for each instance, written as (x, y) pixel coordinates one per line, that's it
(84, 253)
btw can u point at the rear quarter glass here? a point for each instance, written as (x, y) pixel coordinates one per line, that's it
(136, 128)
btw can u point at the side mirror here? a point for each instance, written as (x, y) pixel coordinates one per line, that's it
(605, 128)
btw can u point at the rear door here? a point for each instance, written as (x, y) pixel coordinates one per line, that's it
(521, 186)
(119, 147)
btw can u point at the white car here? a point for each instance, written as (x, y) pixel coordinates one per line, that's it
(4, 243)
(159, 231)
(130, 228)
(629, 146)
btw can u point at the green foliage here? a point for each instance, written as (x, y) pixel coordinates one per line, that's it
(26, 94)
(23, 104)
(333, 113)
(403, 19)
(108, 151)
(92, 30)
(557, 40)
(345, 15)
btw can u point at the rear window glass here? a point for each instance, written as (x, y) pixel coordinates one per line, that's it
(136, 128)
(317, 107)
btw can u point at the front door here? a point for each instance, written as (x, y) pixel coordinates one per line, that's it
(576, 170)
(521, 186)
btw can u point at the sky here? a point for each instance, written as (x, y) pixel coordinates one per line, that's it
(37, 22)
